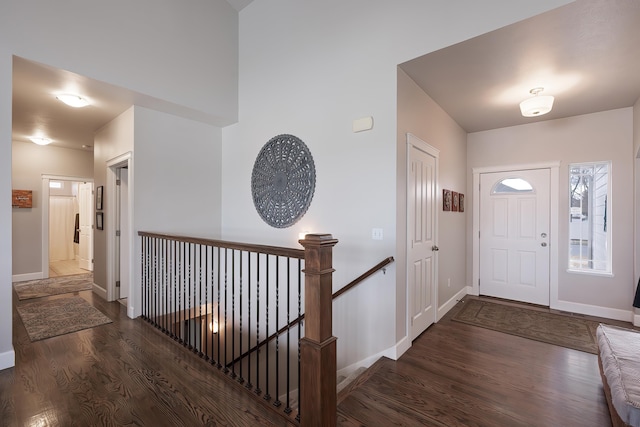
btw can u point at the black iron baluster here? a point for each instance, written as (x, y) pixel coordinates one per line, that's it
(155, 283)
(277, 402)
(226, 283)
(287, 410)
(258, 390)
(233, 311)
(219, 308)
(240, 378)
(267, 395)
(205, 327)
(183, 285)
(300, 324)
(165, 287)
(143, 279)
(248, 384)
(200, 353)
(175, 289)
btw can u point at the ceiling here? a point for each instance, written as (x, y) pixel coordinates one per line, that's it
(585, 54)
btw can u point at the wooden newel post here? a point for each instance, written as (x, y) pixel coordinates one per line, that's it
(318, 397)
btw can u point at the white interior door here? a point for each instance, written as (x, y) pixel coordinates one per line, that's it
(514, 235)
(85, 201)
(124, 238)
(421, 239)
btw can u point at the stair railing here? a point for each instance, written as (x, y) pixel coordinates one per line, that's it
(219, 298)
(380, 266)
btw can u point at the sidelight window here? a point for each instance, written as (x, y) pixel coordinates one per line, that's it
(590, 217)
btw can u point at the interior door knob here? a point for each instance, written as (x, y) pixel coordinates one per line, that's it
(435, 248)
(543, 244)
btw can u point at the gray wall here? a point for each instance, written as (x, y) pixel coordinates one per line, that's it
(29, 163)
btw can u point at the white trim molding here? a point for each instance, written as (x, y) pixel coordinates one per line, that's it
(27, 276)
(447, 306)
(7, 359)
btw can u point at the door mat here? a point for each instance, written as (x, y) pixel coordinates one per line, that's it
(52, 317)
(558, 329)
(53, 286)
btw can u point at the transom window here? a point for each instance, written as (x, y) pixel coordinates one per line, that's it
(512, 185)
(589, 217)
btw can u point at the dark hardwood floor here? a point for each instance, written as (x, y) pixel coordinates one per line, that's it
(122, 374)
(461, 375)
(128, 374)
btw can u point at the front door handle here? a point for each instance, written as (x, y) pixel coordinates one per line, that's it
(435, 248)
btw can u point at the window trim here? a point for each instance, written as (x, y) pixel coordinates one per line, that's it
(609, 214)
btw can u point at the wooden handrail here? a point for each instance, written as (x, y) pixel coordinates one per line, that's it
(346, 288)
(263, 249)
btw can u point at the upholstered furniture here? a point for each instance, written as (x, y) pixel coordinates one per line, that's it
(619, 361)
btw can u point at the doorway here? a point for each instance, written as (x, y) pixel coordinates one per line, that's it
(119, 229)
(67, 238)
(515, 222)
(422, 249)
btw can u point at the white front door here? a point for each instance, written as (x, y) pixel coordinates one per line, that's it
(421, 238)
(85, 202)
(514, 235)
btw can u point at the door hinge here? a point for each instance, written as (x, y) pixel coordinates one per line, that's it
(117, 283)
(117, 182)
(117, 233)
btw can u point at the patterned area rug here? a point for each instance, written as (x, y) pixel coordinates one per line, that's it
(53, 286)
(563, 330)
(53, 317)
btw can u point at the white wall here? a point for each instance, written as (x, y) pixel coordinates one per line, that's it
(112, 140)
(181, 60)
(29, 163)
(594, 137)
(310, 69)
(420, 115)
(177, 179)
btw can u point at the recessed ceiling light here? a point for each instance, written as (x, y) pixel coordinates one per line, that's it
(40, 140)
(73, 100)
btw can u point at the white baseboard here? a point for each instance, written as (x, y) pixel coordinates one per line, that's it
(594, 310)
(131, 312)
(348, 370)
(27, 276)
(100, 291)
(636, 319)
(444, 308)
(7, 359)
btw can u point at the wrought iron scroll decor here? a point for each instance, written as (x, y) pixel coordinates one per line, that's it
(283, 181)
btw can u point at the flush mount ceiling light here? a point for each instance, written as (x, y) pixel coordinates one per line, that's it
(40, 140)
(538, 105)
(73, 100)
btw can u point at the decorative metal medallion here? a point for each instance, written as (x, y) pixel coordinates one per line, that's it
(283, 181)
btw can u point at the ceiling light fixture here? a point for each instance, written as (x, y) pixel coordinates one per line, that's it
(73, 100)
(538, 105)
(40, 140)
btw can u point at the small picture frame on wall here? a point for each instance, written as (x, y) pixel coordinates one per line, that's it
(455, 201)
(446, 200)
(99, 198)
(461, 202)
(99, 221)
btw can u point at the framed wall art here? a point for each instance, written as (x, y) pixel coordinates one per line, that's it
(446, 200)
(460, 202)
(99, 221)
(99, 191)
(455, 201)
